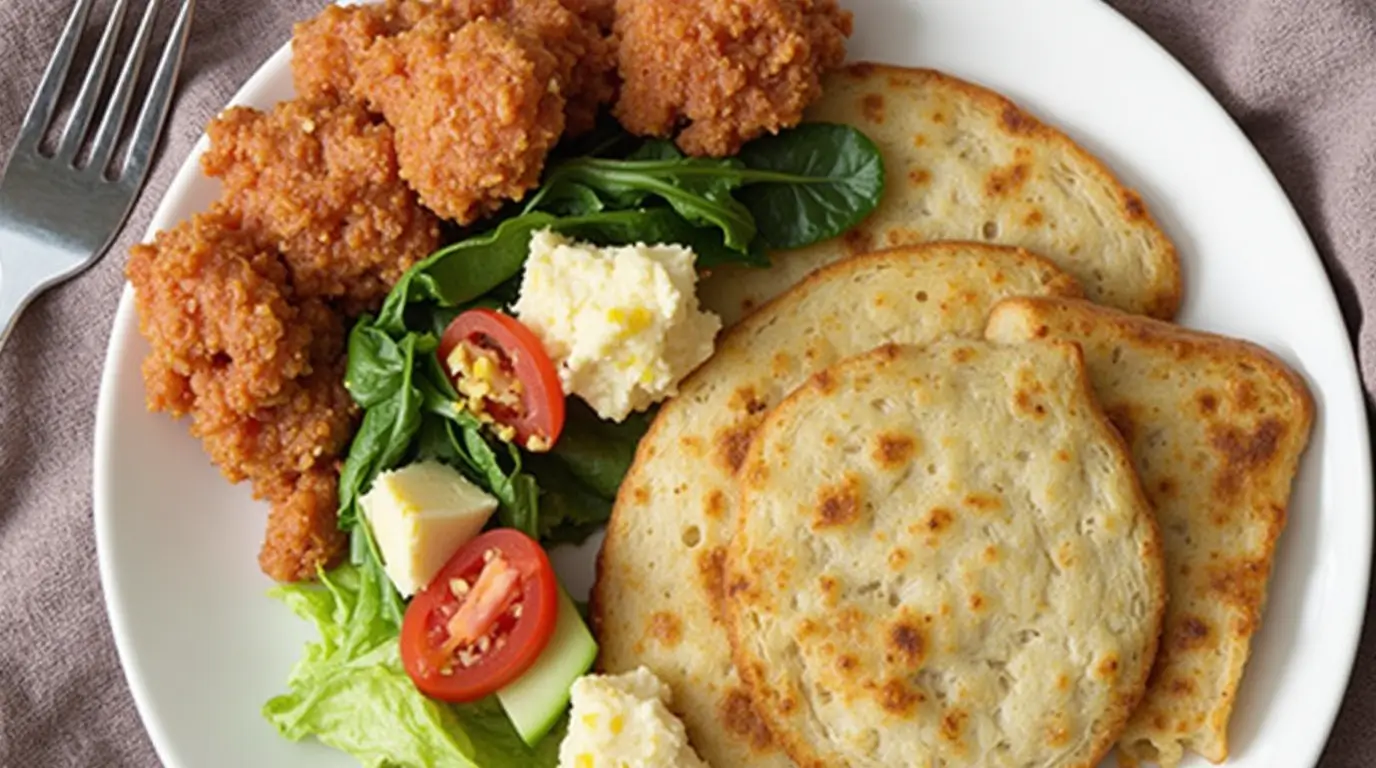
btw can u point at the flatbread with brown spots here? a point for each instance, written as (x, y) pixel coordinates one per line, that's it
(659, 569)
(1217, 428)
(964, 163)
(942, 556)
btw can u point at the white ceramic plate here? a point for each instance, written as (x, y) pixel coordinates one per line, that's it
(203, 648)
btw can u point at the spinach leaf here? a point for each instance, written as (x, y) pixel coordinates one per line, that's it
(598, 453)
(697, 189)
(385, 433)
(798, 187)
(517, 493)
(655, 226)
(811, 183)
(570, 511)
(463, 271)
(376, 365)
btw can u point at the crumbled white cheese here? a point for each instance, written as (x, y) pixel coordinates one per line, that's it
(623, 721)
(420, 515)
(622, 324)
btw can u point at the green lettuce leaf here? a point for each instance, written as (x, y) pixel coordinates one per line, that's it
(351, 692)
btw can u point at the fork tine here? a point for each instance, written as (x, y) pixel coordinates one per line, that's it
(151, 116)
(96, 72)
(107, 135)
(50, 88)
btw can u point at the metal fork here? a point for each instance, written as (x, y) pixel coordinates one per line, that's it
(58, 215)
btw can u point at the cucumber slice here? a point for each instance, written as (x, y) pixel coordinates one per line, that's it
(536, 700)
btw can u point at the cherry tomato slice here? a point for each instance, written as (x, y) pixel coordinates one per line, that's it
(541, 416)
(484, 620)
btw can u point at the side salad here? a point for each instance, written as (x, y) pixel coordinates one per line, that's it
(447, 638)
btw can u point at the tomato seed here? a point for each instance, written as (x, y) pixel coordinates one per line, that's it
(459, 587)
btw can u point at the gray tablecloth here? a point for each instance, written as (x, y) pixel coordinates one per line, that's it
(1298, 75)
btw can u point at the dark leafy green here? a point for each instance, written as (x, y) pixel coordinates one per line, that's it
(698, 190)
(659, 225)
(793, 189)
(570, 511)
(598, 453)
(463, 271)
(393, 415)
(812, 183)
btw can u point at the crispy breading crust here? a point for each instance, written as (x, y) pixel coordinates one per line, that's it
(732, 69)
(318, 179)
(475, 111)
(260, 375)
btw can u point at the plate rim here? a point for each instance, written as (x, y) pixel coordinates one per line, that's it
(186, 174)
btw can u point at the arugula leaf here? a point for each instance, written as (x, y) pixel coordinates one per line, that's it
(566, 198)
(351, 691)
(798, 187)
(811, 183)
(657, 149)
(697, 189)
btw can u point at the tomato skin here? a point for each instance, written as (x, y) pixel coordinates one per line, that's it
(525, 638)
(543, 393)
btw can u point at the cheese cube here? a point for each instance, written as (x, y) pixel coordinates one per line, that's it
(420, 515)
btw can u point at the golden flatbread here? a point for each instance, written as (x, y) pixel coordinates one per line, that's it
(964, 163)
(659, 572)
(1217, 427)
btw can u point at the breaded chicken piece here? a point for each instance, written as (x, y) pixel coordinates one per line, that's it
(475, 111)
(586, 58)
(600, 12)
(319, 179)
(209, 294)
(259, 372)
(325, 48)
(732, 69)
(303, 529)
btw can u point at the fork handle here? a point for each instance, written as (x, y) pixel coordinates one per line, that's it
(16, 290)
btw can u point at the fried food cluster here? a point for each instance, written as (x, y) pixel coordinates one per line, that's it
(258, 371)
(409, 112)
(732, 70)
(318, 178)
(245, 306)
(478, 91)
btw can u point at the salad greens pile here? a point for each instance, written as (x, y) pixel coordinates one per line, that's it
(802, 186)
(351, 691)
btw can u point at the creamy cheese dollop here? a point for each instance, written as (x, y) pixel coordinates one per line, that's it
(623, 721)
(621, 323)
